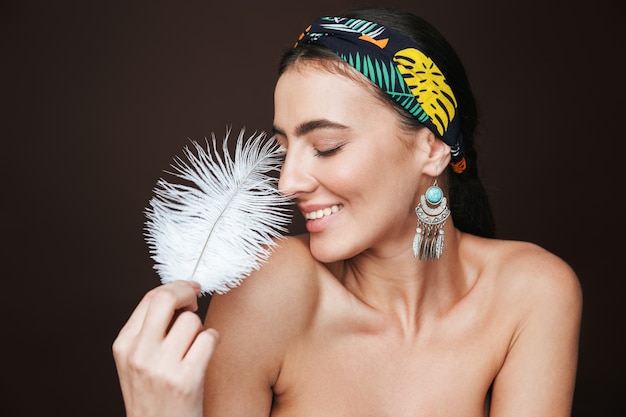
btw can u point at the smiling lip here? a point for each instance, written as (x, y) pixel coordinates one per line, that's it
(323, 212)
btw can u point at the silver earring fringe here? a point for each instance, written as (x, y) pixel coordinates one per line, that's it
(432, 212)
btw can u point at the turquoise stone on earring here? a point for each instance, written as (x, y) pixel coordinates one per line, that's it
(432, 212)
(434, 195)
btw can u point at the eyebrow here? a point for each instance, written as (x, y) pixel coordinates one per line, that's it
(307, 127)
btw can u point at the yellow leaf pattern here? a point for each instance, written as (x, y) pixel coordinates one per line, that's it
(428, 85)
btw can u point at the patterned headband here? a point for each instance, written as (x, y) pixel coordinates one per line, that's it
(393, 62)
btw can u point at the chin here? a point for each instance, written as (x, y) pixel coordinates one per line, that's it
(329, 252)
(323, 256)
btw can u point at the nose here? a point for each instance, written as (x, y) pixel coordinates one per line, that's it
(296, 175)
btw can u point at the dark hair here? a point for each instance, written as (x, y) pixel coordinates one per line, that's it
(468, 199)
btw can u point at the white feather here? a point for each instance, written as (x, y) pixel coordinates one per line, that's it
(223, 222)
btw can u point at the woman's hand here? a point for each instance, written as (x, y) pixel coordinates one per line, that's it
(162, 353)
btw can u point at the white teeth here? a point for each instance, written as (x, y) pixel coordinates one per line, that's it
(318, 214)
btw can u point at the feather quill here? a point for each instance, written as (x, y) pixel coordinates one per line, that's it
(223, 221)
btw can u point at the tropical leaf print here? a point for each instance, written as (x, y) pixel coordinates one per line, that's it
(428, 85)
(388, 79)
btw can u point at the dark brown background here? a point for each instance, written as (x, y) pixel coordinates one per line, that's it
(99, 96)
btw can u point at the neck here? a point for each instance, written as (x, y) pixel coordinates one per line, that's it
(405, 289)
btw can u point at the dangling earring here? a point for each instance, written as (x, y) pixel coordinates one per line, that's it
(432, 212)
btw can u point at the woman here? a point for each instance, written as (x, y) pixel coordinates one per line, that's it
(391, 304)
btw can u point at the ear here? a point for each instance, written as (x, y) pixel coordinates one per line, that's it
(432, 153)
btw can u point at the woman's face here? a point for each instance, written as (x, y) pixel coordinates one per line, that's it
(353, 172)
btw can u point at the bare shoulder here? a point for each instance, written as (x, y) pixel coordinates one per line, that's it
(532, 276)
(257, 322)
(540, 271)
(272, 305)
(537, 302)
(285, 285)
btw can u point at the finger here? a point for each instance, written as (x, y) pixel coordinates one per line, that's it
(164, 304)
(135, 321)
(182, 334)
(201, 351)
(198, 288)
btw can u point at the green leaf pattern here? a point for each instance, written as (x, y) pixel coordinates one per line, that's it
(386, 77)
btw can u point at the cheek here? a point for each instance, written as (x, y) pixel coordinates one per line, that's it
(340, 179)
(356, 174)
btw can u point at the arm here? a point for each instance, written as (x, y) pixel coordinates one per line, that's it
(162, 353)
(538, 375)
(257, 322)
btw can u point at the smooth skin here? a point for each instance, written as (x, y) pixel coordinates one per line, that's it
(346, 322)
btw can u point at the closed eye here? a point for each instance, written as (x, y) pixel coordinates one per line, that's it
(328, 152)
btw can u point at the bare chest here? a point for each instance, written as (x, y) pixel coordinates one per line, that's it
(364, 374)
